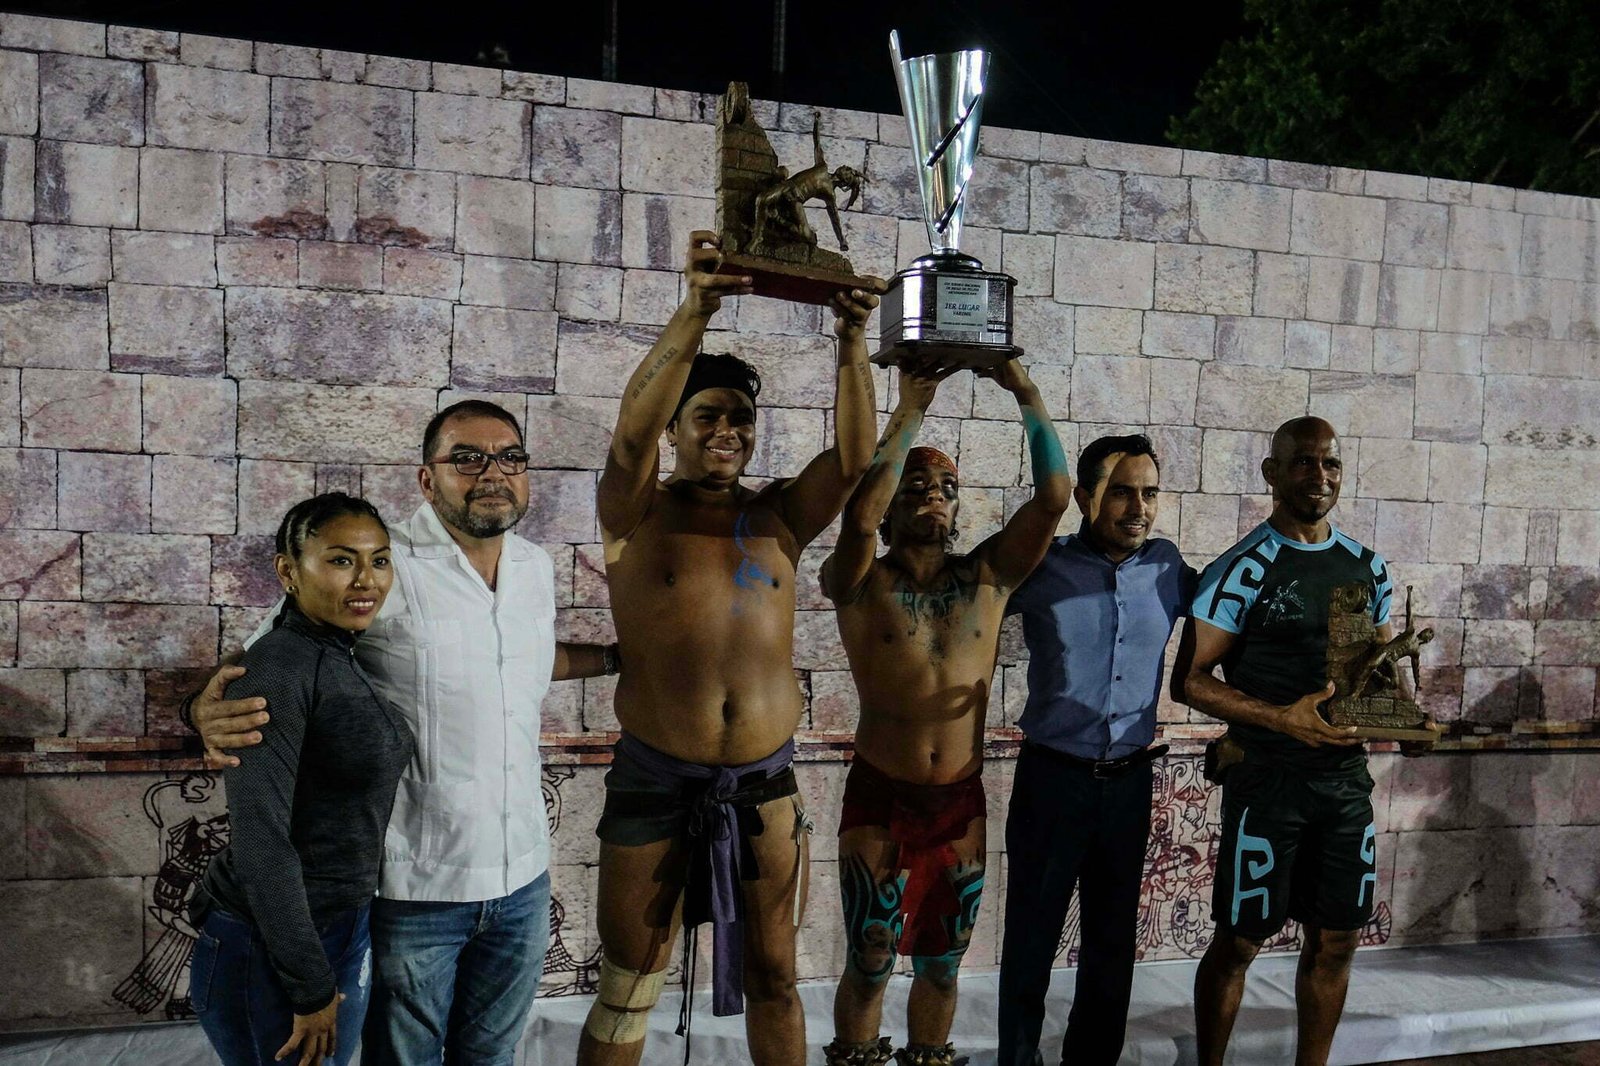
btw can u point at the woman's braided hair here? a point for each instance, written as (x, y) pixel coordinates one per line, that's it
(308, 516)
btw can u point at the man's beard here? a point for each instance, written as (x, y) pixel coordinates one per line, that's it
(1310, 512)
(477, 524)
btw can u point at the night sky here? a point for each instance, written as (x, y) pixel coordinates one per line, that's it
(1109, 70)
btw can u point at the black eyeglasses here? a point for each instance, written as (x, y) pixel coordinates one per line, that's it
(471, 462)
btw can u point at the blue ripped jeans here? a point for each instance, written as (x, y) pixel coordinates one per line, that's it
(455, 981)
(243, 1008)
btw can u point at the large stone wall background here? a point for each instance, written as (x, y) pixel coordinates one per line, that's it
(232, 274)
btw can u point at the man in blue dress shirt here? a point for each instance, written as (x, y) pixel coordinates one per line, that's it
(1096, 616)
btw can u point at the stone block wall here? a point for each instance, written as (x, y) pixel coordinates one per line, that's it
(233, 274)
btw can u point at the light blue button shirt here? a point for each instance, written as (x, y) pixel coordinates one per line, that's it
(1096, 633)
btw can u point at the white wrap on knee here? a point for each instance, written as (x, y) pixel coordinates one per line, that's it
(621, 1010)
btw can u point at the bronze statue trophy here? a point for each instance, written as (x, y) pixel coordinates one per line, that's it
(945, 309)
(1365, 670)
(761, 211)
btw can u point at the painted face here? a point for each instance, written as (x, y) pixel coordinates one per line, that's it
(342, 573)
(1306, 472)
(715, 435)
(925, 505)
(1123, 506)
(484, 504)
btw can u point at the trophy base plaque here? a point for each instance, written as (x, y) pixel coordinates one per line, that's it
(798, 282)
(1380, 718)
(946, 353)
(946, 307)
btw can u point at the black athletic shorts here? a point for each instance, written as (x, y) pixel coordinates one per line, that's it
(1295, 846)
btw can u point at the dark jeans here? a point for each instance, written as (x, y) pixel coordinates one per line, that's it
(455, 980)
(1068, 828)
(240, 1003)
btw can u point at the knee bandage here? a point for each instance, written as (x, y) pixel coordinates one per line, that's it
(621, 1010)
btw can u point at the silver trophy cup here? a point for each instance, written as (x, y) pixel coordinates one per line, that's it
(945, 308)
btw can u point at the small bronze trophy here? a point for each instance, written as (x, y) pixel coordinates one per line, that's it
(1365, 670)
(761, 211)
(945, 308)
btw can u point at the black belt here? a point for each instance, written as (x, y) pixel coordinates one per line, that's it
(1101, 768)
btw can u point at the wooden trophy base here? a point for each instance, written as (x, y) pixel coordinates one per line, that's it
(939, 353)
(1380, 718)
(798, 283)
(1379, 732)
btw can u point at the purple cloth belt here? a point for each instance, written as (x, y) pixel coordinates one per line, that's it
(722, 818)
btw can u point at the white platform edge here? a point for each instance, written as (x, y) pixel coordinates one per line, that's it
(1404, 1003)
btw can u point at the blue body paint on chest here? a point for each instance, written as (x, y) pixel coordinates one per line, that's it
(750, 575)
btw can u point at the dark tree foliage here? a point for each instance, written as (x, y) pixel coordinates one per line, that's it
(1502, 91)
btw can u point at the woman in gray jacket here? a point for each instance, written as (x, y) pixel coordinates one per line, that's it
(284, 963)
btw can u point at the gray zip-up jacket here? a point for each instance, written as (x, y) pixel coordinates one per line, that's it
(308, 806)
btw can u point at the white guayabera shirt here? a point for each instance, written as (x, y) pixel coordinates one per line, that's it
(468, 667)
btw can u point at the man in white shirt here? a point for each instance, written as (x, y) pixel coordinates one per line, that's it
(465, 648)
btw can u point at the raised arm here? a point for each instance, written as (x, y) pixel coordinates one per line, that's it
(811, 500)
(1012, 553)
(653, 389)
(845, 571)
(1202, 648)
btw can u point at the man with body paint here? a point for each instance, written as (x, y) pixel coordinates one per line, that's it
(1298, 837)
(921, 627)
(1096, 617)
(701, 820)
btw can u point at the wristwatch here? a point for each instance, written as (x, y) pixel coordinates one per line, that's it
(611, 659)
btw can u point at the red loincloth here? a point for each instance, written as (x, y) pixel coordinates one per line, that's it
(924, 820)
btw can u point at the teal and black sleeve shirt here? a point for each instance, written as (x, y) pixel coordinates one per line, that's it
(1273, 593)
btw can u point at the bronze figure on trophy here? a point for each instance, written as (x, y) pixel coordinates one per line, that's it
(761, 211)
(1365, 670)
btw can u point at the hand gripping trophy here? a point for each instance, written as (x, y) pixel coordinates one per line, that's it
(945, 310)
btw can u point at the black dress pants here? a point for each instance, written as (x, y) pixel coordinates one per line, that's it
(1070, 829)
